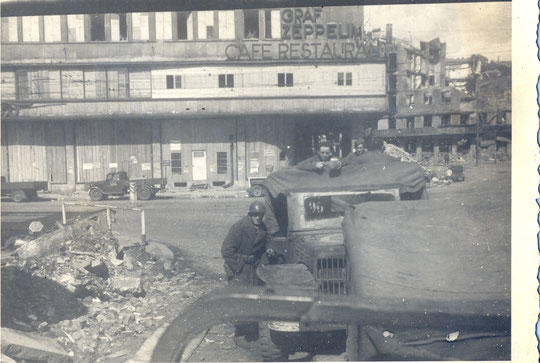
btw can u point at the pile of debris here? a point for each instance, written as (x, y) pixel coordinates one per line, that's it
(85, 289)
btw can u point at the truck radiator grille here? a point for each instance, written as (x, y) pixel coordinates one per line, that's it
(331, 275)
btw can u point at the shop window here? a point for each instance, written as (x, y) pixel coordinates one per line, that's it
(140, 26)
(164, 26)
(226, 81)
(75, 28)
(184, 25)
(140, 84)
(272, 24)
(95, 84)
(428, 121)
(44, 84)
(205, 27)
(72, 84)
(176, 163)
(174, 81)
(9, 30)
(30, 28)
(222, 163)
(52, 27)
(464, 119)
(119, 31)
(226, 24)
(251, 23)
(117, 83)
(285, 80)
(445, 120)
(8, 85)
(428, 99)
(97, 27)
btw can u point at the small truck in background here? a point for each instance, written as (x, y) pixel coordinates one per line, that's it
(22, 191)
(117, 184)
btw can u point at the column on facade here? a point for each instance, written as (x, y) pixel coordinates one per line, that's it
(453, 147)
(156, 149)
(69, 132)
(241, 161)
(419, 149)
(436, 150)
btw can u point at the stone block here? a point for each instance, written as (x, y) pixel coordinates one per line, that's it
(127, 285)
(22, 346)
(44, 244)
(159, 250)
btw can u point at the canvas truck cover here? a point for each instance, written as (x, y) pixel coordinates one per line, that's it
(444, 254)
(408, 177)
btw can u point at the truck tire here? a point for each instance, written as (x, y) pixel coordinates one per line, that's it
(95, 194)
(19, 196)
(145, 193)
(257, 190)
(270, 352)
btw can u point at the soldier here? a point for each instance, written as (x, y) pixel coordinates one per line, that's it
(321, 162)
(355, 157)
(242, 250)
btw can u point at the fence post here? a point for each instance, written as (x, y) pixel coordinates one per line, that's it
(143, 227)
(109, 223)
(64, 220)
(132, 192)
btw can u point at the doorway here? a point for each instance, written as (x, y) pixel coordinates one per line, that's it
(198, 162)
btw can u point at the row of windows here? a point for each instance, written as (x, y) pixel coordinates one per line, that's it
(428, 121)
(176, 163)
(117, 83)
(142, 26)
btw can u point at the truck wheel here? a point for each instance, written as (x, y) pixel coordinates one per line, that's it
(257, 190)
(270, 352)
(95, 194)
(145, 193)
(19, 196)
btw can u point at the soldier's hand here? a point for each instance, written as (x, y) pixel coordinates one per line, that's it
(319, 165)
(270, 253)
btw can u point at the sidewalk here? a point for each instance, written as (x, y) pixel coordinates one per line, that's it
(215, 193)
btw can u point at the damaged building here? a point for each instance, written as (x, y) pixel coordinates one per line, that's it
(435, 102)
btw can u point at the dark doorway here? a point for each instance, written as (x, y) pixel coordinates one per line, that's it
(309, 133)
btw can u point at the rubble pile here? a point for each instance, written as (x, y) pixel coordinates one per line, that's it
(87, 290)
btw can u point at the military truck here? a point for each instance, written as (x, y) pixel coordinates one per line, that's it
(306, 211)
(23, 191)
(117, 184)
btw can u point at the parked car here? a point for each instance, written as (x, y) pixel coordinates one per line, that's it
(23, 191)
(117, 184)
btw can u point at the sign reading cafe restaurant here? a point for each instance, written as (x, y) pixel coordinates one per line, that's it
(305, 36)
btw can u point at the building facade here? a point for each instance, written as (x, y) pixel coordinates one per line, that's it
(433, 104)
(219, 97)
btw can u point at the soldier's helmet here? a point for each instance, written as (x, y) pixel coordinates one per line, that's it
(257, 208)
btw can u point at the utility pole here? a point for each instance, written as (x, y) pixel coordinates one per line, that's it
(478, 119)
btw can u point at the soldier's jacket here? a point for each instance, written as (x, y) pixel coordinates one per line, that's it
(242, 241)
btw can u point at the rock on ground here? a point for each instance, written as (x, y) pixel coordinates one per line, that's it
(127, 285)
(160, 250)
(31, 347)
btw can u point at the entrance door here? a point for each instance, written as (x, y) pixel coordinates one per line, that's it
(198, 161)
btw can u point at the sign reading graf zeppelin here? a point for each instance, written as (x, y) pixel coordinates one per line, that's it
(304, 36)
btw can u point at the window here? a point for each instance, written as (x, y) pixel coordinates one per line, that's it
(222, 163)
(285, 80)
(226, 80)
(445, 120)
(176, 163)
(410, 122)
(75, 28)
(30, 27)
(139, 26)
(164, 26)
(72, 84)
(174, 81)
(9, 30)
(184, 25)
(428, 99)
(464, 119)
(95, 84)
(410, 101)
(428, 121)
(446, 97)
(119, 27)
(282, 156)
(272, 24)
(205, 24)
(97, 27)
(117, 83)
(251, 23)
(226, 24)
(431, 80)
(8, 85)
(348, 79)
(52, 28)
(140, 85)
(39, 85)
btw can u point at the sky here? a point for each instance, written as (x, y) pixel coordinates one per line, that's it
(471, 28)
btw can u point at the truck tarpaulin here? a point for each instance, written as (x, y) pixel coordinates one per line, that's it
(438, 253)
